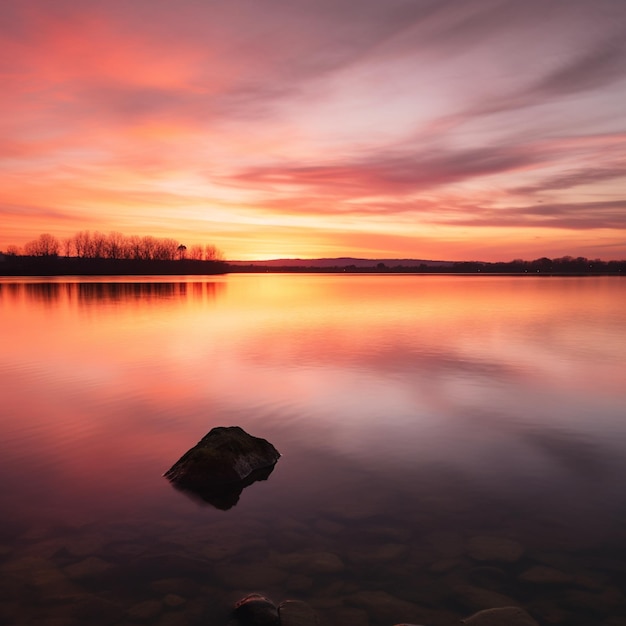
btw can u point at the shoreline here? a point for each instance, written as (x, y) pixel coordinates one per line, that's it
(16, 266)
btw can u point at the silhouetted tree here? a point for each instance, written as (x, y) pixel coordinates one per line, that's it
(211, 253)
(196, 252)
(45, 245)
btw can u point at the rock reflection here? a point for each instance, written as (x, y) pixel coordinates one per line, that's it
(226, 497)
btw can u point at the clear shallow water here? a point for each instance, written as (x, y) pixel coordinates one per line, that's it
(416, 415)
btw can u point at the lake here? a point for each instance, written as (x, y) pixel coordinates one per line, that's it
(449, 443)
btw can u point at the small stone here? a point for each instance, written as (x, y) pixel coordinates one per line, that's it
(543, 575)
(176, 586)
(299, 582)
(254, 575)
(323, 563)
(350, 615)
(475, 598)
(384, 607)
(499, 549)
(256, 610)
(92, 609)
(487, 576)
(444, 565)
(383, 553)
(144, 611)
(156, 566)
(88, 568)
(296, 613)
(328, 527)
(448, 544)
(84, 546)
(172, 600)
(312, 563)
(504, 616)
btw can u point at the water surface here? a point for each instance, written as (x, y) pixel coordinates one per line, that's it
(418, 418)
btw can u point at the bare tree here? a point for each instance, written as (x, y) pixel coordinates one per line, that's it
(114, 245)
(82, 243)
(134, 247)
(148, 247)
(212, 253)
(196, 252)
(98, 245)
(67, 246)
(45, 245)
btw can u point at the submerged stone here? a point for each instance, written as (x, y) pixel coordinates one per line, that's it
(297, 613)
(222, 464)
(497, 549)
(505, 616)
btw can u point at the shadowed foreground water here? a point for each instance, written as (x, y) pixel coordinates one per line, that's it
(448, 444)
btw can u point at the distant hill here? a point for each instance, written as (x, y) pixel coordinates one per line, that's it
(341, 262)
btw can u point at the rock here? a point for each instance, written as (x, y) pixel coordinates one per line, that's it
(505, 616)
(543, 575)
(91, 609)
(221, 464)
(88, 568)
(497, 549)
(487, 576)
(310, 563)
(252, 575)
(444, 565)
(171, 565)
(84, 546)
(447, 544)
(328, 527)
(383, 607)
(382, 553)
(185, 587)
(299, 582)
(322, 563)
(475, 598)
(173, 600)
(296, 613)
(256, 610)
(144, 611)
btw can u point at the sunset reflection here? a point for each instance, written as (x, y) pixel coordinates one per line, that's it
(148, 365)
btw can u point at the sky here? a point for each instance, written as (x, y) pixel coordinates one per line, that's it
(431, 129)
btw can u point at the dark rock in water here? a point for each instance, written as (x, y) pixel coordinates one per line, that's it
(222, 464)
(256, 610)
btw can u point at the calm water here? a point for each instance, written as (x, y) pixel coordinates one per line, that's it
(449, 444)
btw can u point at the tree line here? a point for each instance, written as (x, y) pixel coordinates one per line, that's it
(114, 245)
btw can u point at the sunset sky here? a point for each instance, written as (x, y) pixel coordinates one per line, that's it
(433, 129)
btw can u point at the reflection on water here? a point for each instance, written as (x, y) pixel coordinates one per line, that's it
(449, 443)
(105, 292)
(226, 496)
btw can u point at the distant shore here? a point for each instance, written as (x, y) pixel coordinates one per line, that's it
(14, 265)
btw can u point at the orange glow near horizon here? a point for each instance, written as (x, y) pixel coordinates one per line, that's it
(447, 133)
